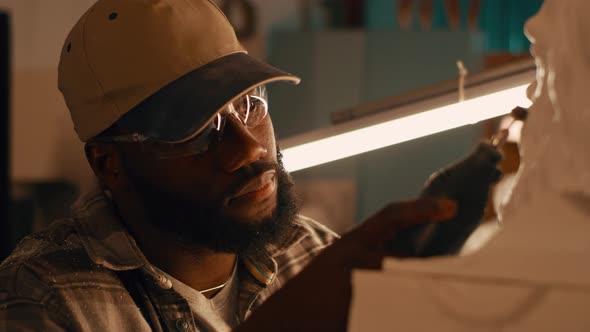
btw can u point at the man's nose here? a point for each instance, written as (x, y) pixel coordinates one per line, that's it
(238, 146)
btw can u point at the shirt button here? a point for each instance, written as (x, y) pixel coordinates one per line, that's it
(182, 325)
(164, 282)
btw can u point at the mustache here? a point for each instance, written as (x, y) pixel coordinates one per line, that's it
(247, 174)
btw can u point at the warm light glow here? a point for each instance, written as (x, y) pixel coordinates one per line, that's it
(404, 129)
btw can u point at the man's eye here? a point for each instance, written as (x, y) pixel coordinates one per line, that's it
(250, 110)
(245, 105)
(255, 105)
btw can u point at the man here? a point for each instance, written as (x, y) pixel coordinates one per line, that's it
(196, 222)
(533, 276)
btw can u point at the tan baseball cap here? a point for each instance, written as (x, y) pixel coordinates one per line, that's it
(166, 66)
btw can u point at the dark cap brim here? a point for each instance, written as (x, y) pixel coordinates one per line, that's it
(186, 105)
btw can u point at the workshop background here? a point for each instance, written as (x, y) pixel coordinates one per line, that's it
(348, 52)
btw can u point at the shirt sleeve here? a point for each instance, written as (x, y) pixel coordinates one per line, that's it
(21, 314)
(25, 302)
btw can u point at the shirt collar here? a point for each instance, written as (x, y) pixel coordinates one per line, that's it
(103, 235)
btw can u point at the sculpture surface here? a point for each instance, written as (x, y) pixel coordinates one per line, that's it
(533, 275)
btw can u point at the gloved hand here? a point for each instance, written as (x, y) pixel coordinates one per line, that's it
(468, 183)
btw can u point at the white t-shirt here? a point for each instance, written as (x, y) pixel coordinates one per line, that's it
(219, 313)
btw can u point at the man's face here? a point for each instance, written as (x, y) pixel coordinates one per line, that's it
(234, 197)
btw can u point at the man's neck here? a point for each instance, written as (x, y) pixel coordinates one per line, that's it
(199, 269)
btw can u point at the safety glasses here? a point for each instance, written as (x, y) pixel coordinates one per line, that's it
(250, 110)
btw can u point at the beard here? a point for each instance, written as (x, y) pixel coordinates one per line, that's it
(202, 225)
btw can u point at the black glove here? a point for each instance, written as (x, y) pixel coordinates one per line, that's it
(468, 183)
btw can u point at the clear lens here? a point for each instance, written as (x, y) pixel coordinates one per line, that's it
(250, 110)
(196, 145)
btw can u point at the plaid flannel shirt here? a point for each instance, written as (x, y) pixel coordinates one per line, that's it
(86, 273)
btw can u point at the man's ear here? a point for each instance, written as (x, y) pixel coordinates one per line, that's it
(106, 163)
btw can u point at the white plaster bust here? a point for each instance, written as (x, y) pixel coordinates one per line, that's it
(555, 146)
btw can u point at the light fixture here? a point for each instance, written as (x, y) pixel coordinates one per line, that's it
(490, 94)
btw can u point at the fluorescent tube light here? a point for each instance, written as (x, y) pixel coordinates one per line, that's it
(344, 140)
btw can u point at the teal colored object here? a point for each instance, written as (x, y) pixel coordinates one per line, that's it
(493, 20)
(465, 5)
(439, 19)
(381, 15)
(502, 21)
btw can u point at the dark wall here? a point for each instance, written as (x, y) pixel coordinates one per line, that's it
(5, 229)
